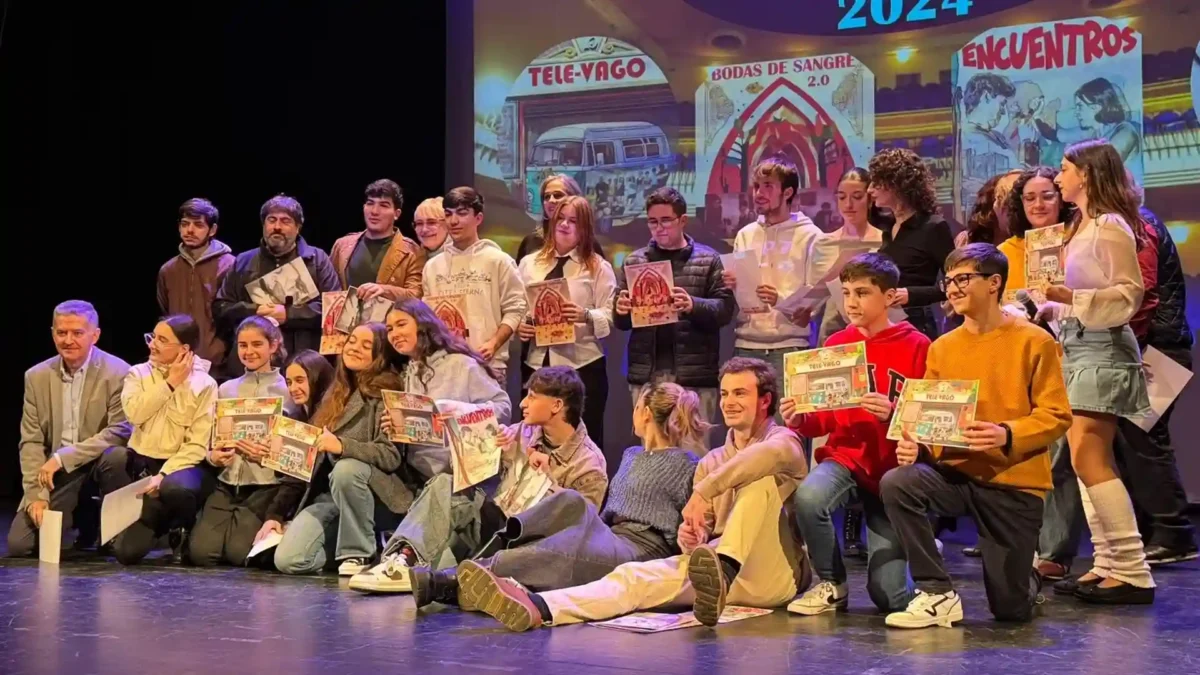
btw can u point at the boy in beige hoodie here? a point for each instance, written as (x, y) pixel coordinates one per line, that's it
(737, 540)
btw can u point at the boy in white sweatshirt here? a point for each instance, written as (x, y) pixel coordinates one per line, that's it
(492, 295)
(789, 260)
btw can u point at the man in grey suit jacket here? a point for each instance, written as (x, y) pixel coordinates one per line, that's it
(73, 427)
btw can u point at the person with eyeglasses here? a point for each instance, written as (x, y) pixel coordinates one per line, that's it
(282, 220)
(429, 222)
(170, 401)
(1001, 479)
(687, 352)
(188, 283)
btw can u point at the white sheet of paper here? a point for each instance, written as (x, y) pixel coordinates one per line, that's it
(896, 314)
(270, 541)
(50, 537)
(744, 265)
(806, 297)
(1167, 378)
(121, 509)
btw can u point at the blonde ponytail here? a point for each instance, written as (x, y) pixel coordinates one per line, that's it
(676, 412)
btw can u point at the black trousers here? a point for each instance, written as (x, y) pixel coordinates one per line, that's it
(104, 474)
(1008, 523)
(179, 499)
(595, 387)
(231, 518)
(1147, 462)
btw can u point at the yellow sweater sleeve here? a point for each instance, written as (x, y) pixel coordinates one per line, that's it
(1051, 413)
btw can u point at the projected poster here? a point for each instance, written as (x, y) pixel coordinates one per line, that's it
(1024, 93)
(596, 109)
(819, 111)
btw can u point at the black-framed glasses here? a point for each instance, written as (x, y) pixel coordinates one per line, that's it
(554, 196)
(960, 281)
(654, 224)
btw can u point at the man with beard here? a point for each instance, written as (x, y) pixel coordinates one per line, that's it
(188, 282)
(282, 218)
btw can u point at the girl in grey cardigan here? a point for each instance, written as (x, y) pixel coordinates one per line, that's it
(358, 461)
(246, 492)
(437, 363)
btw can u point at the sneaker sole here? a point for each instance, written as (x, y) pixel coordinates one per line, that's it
(1175, 559)
(943, 621)
(839, 606)
(708, 582)
(478, 587)
(372, 586)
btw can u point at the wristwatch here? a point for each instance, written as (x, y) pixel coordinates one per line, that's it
(1008, 437)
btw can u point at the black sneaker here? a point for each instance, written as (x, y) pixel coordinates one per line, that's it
(430, 586)
(852, 545)
(972, 552)
(1161, 555)
(177, 538)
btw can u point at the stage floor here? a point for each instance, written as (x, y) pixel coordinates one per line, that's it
(92, 616)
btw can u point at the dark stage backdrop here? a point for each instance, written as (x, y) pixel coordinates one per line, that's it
(113, 115)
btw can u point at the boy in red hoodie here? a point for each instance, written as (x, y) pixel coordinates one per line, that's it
(858, 452)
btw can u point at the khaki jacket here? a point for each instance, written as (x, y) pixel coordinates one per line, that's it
(400, 271)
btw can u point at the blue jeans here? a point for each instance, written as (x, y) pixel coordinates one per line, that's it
(441, 527)
(828, 487)
(1062, 522)
(347, 515)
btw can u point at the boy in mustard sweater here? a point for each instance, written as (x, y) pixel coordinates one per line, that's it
(1002, 479)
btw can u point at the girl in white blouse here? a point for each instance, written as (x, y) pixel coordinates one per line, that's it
(570, 252)
(1101, 360)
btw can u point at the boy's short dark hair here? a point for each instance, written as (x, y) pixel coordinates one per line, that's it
(782, 169)
(669, 196)
(463, 196)
(874, 267)
(564, 383)
(386, 189)
(284, 203)
(985, 258)
(767, 378)
(197, 208)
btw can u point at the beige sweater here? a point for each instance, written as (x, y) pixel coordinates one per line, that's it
(175, 426)
(773, 450)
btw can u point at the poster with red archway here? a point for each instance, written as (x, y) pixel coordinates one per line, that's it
(818, 111)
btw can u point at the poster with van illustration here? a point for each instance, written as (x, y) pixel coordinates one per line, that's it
(935, 412)
(1044, 257)
(831, 378)
(244, 419)
(293, 448)
(414, 419)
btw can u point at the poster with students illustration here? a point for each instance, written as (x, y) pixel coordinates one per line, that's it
(1022, 94)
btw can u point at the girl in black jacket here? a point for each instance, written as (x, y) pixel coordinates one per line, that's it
(916, 237)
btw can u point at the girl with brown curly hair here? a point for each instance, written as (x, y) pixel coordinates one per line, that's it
(919, 240)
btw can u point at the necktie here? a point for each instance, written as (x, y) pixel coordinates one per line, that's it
(556, 273)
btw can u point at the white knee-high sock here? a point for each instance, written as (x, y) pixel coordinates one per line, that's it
(1127, 557)
(1102, 560)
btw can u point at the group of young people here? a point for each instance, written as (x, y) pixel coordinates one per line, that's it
(749, 522)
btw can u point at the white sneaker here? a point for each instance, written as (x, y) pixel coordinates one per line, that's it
(940, 546)
(389, 576)
(352, 566)
(928, 609)
(824, 597)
